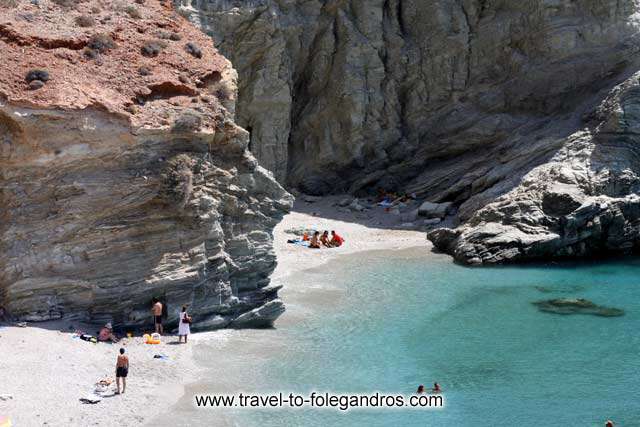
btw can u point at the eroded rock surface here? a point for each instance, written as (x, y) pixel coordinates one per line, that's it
(447, 99)
(583, 202)
(124, 176)
(469, 102)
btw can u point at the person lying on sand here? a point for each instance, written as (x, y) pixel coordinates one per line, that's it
(106, 334)
(315, 241)
(325, 239)
(122, 370)
(336, 240)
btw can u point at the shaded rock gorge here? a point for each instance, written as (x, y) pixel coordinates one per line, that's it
(464, 102)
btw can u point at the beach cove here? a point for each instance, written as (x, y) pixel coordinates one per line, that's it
(382, 313)
(388, 320)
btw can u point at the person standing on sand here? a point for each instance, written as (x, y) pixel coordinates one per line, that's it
(157, 315)
(184, 328)
(122, 370)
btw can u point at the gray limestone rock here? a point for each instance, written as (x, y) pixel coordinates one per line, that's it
(434, 210)
(453, 100)
(583, 202)
(98, 218)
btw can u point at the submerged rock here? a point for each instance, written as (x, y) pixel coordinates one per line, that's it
(576, 306)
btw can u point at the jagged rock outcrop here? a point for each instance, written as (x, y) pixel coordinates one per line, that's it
(446, 98)
(122, 173)
(457, 101)
(584, 202)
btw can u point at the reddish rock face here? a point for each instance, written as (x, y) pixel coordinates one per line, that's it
(132, 59)
(122, 173)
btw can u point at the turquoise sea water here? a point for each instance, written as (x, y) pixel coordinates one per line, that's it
(400, 321)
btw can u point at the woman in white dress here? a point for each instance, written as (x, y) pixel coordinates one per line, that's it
(184, 328)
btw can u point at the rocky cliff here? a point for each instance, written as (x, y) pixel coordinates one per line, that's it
(453, 100)
(583, 202)
(413, 95)
(123, 175)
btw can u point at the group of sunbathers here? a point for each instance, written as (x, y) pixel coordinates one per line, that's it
(318, 241)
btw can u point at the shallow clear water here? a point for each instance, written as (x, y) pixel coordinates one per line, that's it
(399, 321)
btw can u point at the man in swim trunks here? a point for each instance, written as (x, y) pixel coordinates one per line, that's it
(157, 315)
(122, 370)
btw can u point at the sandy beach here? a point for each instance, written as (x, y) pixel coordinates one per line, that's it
(370, 230)
(44, 371)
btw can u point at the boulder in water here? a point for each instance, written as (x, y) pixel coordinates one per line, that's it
(576, 306)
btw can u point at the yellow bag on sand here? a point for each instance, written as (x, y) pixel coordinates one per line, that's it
(150, 339)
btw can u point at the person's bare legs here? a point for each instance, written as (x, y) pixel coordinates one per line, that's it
(185, 338)
(124, 384)
(118, 384)
(161, 329)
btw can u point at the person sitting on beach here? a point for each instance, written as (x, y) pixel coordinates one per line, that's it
(106, 334)
(420, 389)
(436, 388)
(315, 241)
(122, 370)
(156, 309)
(336, 240)
(324, 239)
(184, 327)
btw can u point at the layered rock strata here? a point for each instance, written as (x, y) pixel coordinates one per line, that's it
(435, 97)
(123, 175)
(583, 202)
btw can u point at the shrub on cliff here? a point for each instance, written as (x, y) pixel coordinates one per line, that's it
(169, 35)
(133, 12)
(144, 71)
(193, 49)
(8, 4)
(85, 21)
(101, 43)
(187, 122)
(67, 4)
(178, 180)
(153, 48)
(37, 74)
